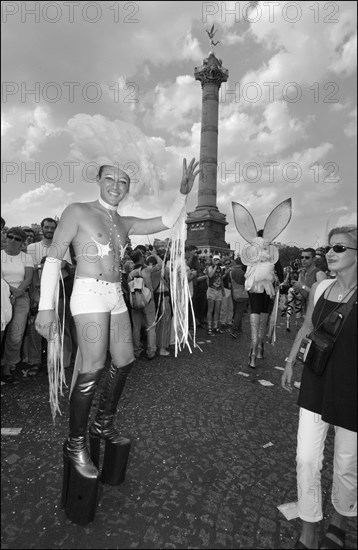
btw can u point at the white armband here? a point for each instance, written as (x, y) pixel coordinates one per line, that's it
(49, 279)
(174, 211)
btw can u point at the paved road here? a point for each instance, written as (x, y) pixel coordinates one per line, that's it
(200, 475)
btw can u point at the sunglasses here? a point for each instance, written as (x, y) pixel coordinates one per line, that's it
(305, 257)
(11, 237)
(339, 248)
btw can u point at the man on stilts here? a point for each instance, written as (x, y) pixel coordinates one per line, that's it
(98, 234)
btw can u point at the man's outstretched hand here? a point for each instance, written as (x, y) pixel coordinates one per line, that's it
(189, 175)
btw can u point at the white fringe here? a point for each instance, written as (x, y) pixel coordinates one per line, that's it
(55, 368)
(179, 288)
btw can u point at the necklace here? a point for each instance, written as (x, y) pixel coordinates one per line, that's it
(106, 205)
(114, 236)
(115, 243)
(341, 296)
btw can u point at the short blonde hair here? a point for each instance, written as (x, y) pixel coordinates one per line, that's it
(349, 230)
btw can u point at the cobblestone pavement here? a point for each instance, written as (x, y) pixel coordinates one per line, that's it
(200, 474)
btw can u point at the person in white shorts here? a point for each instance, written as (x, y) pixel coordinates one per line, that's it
(98, 234)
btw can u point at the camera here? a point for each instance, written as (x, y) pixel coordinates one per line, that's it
(305, 347)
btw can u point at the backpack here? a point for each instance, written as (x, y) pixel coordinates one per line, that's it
(139, 294)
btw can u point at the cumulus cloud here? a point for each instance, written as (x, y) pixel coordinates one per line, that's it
(351, 128)
(150, 137)
(5, 126)
(345, 60)
(32, 206)
(27, 129)
(173, 105)
(231, 38)
(303, 52)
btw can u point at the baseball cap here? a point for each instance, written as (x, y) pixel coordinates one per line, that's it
(216, 257)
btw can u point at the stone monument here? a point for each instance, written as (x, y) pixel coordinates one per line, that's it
(206, 225)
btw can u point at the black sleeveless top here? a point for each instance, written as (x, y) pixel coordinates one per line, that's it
(334, 394)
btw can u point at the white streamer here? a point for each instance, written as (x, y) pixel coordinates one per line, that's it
(179, 288)
(55, 368)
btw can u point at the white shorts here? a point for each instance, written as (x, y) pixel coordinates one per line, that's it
(96, 296)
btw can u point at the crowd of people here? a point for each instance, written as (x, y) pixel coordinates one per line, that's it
(211, 282)
(23, 253)
(312, 288)
(216, 283)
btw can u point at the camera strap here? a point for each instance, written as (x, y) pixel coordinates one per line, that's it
(347, 309)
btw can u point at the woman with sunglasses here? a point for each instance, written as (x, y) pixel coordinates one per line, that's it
(17, 269)
(329, 398)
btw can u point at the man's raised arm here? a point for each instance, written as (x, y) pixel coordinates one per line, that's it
(155, 225)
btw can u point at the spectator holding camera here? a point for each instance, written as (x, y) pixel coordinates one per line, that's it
(329, 397)
(143, 268)
(227, 307)
(294, 297)
(214, 294)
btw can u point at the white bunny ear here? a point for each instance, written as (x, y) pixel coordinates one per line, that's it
(277, 220)
(244, 222)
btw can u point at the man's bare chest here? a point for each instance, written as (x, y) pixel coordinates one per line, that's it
(102, 235)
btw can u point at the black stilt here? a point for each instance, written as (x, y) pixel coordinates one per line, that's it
(80, 476)
(117, 447)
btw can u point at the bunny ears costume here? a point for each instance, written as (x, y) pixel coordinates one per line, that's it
(259, 254)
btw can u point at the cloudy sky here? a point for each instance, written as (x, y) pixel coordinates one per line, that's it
(86, 83)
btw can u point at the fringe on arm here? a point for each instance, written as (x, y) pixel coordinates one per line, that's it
(55, 368)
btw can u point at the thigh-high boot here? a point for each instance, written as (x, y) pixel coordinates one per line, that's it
(117, 447)
(254, 323)
(81, 477)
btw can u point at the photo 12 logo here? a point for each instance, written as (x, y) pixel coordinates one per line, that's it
(269, 12)
(55, 12)
(271, 171)
(53, 172)
(53, 92)
(270, 92)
